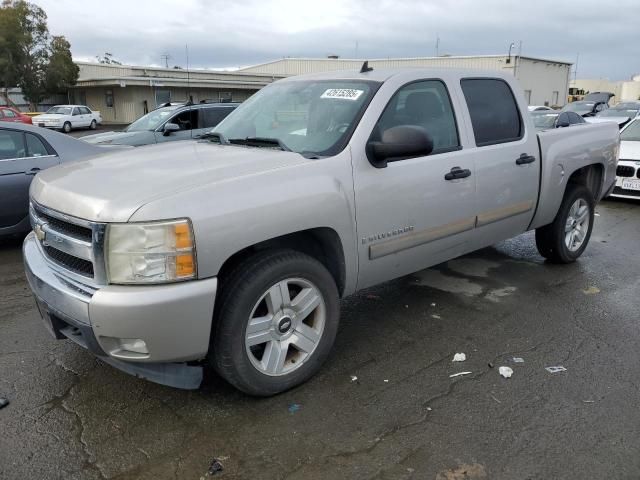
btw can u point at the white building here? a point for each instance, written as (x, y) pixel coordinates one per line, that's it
(123, 93)
(623, 91)
(545, 82)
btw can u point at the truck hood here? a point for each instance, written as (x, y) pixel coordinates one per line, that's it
(112, 187)
(110, 137)
(630, 150)
(619, 120)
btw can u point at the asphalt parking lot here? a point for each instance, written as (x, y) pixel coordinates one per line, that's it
(384, 406)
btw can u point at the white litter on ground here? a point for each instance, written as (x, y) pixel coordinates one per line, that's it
(436, 316)
(557, 369)
(353, 378)
(433, 304)
(518, 360)
(386, 381)
(459, 357)
(506, 372)
(459, 374)
(591, 291)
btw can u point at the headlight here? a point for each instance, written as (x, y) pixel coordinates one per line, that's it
(157, 252)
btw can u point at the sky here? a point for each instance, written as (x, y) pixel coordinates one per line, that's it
(228, 34)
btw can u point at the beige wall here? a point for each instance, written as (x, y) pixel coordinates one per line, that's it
(128, 102)
(623, 91)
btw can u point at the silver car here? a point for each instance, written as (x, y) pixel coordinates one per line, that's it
(24, 151)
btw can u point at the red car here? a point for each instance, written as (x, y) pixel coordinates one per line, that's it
(8, 114)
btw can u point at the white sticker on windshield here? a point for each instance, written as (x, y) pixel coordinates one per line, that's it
(342, 93)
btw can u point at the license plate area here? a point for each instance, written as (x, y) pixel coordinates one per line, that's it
(631, 184)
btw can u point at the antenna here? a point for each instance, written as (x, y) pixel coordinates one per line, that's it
(365, 67)
(165, 57)
(437, 45)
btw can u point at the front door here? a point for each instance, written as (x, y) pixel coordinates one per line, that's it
(187, 120)
(507, 161)
(22, 156)
(420, 211)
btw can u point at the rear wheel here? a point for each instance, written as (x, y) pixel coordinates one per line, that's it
(66, 128)
(564, 240)
(276, 321)
(93, 125)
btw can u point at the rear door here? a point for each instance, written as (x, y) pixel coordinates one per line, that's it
(414, 212)
(506, 157)
(22, 156)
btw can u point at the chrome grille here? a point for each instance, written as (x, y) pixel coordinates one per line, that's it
(71, 244)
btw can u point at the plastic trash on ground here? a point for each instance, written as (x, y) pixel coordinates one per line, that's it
(3, 402)
(460, 374)
(459, 357)
(506, 372)
(518, 360)
(556, 369)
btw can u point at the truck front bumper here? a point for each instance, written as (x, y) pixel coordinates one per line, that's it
(147, 331)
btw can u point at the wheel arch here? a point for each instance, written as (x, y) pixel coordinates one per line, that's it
(321, 243)
(590, 176)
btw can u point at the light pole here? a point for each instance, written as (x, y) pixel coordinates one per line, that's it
(510, 47)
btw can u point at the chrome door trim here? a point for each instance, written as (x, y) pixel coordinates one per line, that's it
(417, 238)
(497, 214)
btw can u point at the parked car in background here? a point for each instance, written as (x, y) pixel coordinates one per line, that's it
(545, 120)
(622, 113)
(236, 249)
(24, 151)
(168, 123)
(585, 108)
(68, 117)
(628, 171)
(539, 108)
(8, 114)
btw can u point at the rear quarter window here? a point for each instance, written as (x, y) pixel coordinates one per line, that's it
(493, 109)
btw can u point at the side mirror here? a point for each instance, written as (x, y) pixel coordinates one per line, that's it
(398, 143)
(169, 128)
(563, 124)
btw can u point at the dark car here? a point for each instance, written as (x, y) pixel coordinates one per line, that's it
(586, 108)
(545, 120)
(24, 151)
(8, 114)
(168, 123)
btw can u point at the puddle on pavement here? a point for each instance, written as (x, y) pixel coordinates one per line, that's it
(496, 294)
(436, 279)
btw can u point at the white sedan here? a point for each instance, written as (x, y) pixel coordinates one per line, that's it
(539, 108)
(628, 173)
(68, 117)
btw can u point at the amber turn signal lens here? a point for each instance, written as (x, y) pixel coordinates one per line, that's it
(183, 236)
(185, 266)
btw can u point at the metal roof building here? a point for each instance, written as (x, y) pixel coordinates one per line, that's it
(545, 82)
(123, 93)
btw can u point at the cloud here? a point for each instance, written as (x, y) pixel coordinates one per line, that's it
(244, 32)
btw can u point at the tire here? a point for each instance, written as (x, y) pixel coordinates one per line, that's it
(93, 125)
(564, 240)
(275, 356)
(66, 128)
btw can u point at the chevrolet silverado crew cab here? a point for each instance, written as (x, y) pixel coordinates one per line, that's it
(234, 250)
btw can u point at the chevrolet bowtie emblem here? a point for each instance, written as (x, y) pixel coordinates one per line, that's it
(39, 232)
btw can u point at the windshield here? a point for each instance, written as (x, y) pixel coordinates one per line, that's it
(312, 117)
(544, 120)
(151, 120)
(579, 107)
(60, 110)
(631, 132)
(619, 112)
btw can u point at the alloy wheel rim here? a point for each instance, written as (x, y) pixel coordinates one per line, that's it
(577, 225)
(285, 326)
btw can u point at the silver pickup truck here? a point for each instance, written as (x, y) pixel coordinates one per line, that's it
(234, 250)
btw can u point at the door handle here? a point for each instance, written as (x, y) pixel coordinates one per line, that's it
(33, 171)
(524, 159)
(457, 172)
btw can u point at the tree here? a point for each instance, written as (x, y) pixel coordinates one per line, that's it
(29, 57)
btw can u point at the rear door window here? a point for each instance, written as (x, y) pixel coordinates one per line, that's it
(493, 109)
(11, 145)
(214, 115)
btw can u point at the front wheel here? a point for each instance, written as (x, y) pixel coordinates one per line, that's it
(66, 128)
(275, 323)
(564, 240)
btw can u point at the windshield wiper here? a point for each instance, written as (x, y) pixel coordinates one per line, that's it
(213, 135)
(260, 142)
